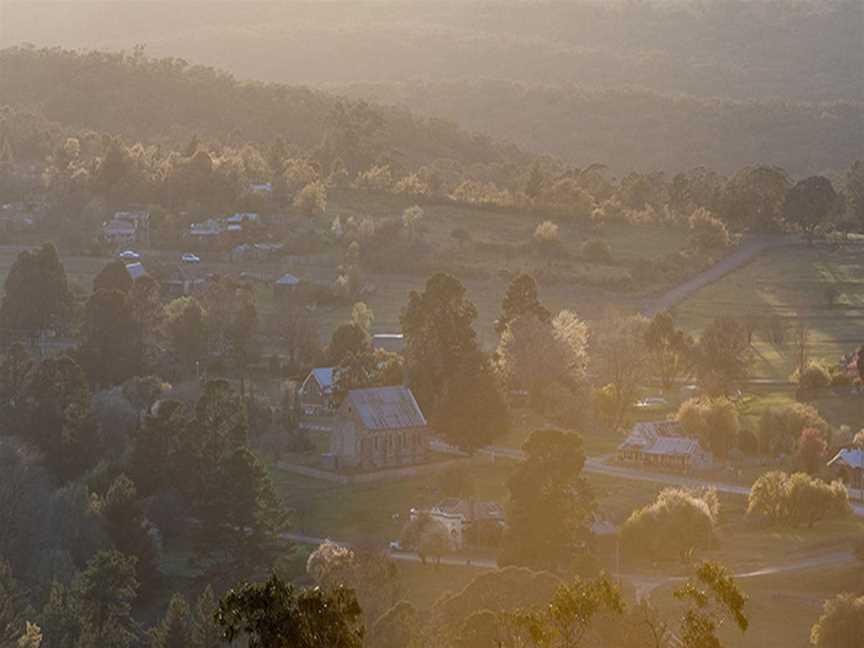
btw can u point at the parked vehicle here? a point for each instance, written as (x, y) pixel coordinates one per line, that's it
(190, 258)
(652, 402)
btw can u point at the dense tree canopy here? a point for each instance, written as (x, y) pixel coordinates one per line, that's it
(36, 293)
(550, 505)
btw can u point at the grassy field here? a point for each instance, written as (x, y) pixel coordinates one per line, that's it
(375, 512)
(789, 283)
(486, 263)
(782, 607)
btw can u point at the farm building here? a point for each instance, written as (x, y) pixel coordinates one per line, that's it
(661, 444)
(316, 392)
(379, 427)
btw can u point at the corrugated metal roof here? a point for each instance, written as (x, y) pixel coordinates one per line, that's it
(287, 280)
(672, 446)
(136, 270)
(854, 458)
(386, 408)
(660, 438)
(324, 376)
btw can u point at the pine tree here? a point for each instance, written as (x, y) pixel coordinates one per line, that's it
(175, 629)
(205, 633)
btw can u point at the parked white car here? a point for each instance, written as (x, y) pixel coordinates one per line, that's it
(129, 254)
(190, 258)
(652, 402)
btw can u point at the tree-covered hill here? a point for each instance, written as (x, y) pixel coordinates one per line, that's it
(631, 127)
(167, 101)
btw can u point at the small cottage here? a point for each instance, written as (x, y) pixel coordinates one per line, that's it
(316, 392)
(662, 444)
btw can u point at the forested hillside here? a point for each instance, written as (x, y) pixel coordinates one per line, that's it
(661, 84)
(168, 100)
(636, 128)
(802, 49)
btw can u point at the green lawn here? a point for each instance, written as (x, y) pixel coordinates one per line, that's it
(789, 284)
(376, 512)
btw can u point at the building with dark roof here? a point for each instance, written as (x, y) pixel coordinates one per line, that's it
(379, 427)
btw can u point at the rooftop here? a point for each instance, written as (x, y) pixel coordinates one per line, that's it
(660, 438)
(386, 408)
(136, 270)
(287, 280)
(324, 376)
(851, 457)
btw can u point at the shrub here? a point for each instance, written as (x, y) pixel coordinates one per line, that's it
(376, 178)
(778, 498)
(597, 251)
(811, 450)
(840, 377)
(842, 620)
(780, 427)
(412, 185)
(312, 200)
(714, 421)
(708, 232)
(678, 522)
(598, 218)
(815, 376)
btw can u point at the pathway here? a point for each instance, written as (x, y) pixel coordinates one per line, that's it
(747, 251)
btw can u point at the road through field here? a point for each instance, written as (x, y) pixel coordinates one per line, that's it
(747, 251)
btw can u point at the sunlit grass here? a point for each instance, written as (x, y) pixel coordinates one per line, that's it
(789, 283)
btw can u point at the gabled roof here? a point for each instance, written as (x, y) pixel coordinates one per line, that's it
(673, 446)
(287, 280)
(386, 408)
(324, 376)
(660, 438)
(853, 458)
